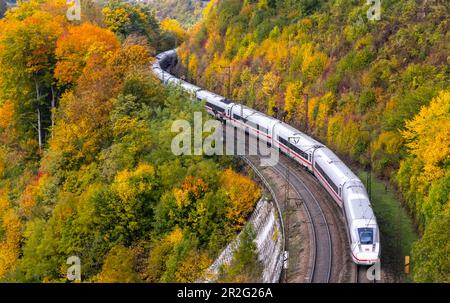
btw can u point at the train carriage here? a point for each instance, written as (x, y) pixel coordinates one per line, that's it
(190, 88)
(362, 228)
(214, 104)
(295, 144)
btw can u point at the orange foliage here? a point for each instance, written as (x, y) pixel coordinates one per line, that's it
(192, 189)
(74, 48)
(31, 193)
(6, 114)
(10, 243)
(130, 56)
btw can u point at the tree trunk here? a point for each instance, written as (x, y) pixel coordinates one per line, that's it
(53, 108)
(39, 129)
(38, 116)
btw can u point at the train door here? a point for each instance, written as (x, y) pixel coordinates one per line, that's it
(313, 160)
(272, 134)
(228, 111)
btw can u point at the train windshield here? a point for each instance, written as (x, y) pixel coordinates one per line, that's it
(365, 235)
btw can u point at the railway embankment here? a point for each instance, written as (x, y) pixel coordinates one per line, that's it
(269, 242)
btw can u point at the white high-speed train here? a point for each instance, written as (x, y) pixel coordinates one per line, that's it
(343, 185)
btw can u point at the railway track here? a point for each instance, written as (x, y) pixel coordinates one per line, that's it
(321, 244)
(322, 247)
(342, 264)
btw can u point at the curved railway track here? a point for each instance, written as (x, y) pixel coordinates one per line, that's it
(322, 246)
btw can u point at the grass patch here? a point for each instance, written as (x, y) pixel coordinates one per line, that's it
(396, 227)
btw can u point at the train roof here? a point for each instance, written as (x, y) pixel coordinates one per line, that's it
(190, 87)
(209, 96)
(360, 209)
(304, 141)
(334, 165)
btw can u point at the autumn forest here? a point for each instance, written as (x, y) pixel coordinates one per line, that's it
(86, 167)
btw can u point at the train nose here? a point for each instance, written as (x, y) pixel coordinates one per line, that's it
(366, 254)
(366, 258)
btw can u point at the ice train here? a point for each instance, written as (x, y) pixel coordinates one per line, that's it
(341, 183)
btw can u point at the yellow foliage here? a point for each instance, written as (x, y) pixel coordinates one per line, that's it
(175, 236)
(115, 19)
(211, 43)
(270, 83)
(192, 267)
(390, 142)
(293, 99)
(129, 184)
(427, 137)
(215, 73)
(10, 243)
(74, 49)
(276, 52)
(262, 4)
(128, 57)
(118, 267)
(193, 66)
(314, 62)
(28, 199)
(243, 194)
(324, 106)
(207, 11)
(364, 41)
(3, 161)
(306, 23)
(171, 25)
(156, 263)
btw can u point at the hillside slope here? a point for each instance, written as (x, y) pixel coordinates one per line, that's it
(377, 91)
(86, 165)
(187, 12)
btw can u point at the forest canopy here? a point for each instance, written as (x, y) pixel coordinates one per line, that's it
(86, 167)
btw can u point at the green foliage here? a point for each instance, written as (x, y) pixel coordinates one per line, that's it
(118, 267)
(245, 266)
(307, 7)
(396, 226)
(186, 12)
(366, 100)
(107, 188)
(430, 253)
(127, 19)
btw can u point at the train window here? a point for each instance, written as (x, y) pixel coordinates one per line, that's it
(251, 124)
(263, 129)
(237, 117)
(365, 235)
(294, 148)
(326, 177)
(215, 107)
